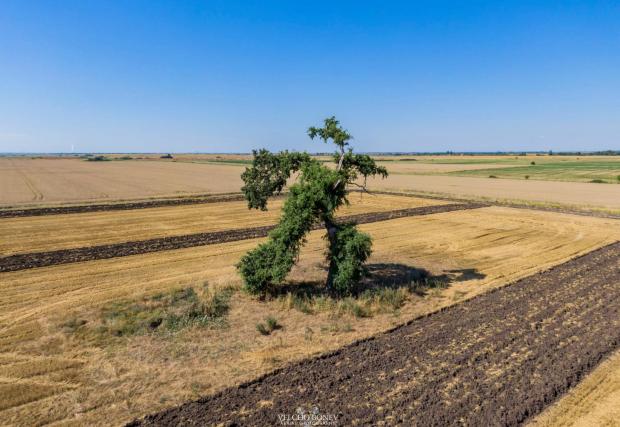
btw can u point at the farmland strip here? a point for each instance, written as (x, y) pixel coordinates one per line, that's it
(497, 359)
(232, 197)
(65, 256)
(59, 210)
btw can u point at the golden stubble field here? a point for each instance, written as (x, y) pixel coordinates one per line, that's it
(48, 375)
(50, 181)
(53, 232)
(570, 194)
(25, 181)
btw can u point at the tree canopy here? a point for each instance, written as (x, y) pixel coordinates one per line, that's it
(316, 194)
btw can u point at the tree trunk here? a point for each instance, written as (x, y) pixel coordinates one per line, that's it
(331, 235)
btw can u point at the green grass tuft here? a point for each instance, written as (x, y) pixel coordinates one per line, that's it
(165, 312)
(270, 325)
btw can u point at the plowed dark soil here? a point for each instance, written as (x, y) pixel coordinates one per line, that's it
(495, 360)
(58, 210)
(65, 256)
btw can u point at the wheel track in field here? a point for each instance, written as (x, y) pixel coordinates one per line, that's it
(90, 253)
(37, 195)
(497, 359)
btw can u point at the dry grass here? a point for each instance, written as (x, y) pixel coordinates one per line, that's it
(53, 232)
(52, 375)
(594, 402)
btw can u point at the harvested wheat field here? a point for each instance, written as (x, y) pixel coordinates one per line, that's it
(89, 253)
(25, 181)
(53, 181)
(588, 195)
(60, 363)
(54, 232)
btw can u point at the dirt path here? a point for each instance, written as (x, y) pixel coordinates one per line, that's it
(497, 359)
(65, 256)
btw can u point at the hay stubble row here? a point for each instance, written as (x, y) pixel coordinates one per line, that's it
(54, 232)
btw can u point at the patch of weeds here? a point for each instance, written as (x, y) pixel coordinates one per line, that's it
(346, 327)
(324, 303)
(308, 333)
(97, 159)
(492, 176)
(299, 302)
(458, 295)
(73, 324)
(197, 388)
(386, 290)
(350, 305)
(527, 177)
(166, 312)
(270, 325)
(532, 163)
(386, 299)
(597, 181)
(334, 328)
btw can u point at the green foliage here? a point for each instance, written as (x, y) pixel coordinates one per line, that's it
(172, 311)
(331, 130)
(348, 252)
(268, 175)
(317, 194)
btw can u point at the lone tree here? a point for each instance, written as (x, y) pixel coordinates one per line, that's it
(315, 196)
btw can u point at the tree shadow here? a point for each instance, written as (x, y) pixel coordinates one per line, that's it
(384, 276)
(466, 274)
(393, 275)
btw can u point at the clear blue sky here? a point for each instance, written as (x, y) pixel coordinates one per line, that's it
(222, 76)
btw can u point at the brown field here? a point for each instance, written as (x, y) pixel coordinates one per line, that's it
(54, 232)
(593, 402)
(26, 181)
(49, 375)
